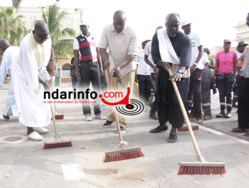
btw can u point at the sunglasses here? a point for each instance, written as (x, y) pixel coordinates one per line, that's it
(41, 39)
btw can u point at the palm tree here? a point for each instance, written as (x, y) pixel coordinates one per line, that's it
(11, 26)
(65, 43)
(16, 3)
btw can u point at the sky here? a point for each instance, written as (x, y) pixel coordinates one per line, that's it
(212, 20)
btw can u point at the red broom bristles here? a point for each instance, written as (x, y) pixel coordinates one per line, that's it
(201, 170)
(185, 128)
(122, 155)
(56, 145)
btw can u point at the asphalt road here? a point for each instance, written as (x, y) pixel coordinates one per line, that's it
(25, 164)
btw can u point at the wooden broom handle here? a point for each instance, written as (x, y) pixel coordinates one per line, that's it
(55, 129)
(185, 115)
(114, 110)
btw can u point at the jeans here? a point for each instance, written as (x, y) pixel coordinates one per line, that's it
(90, 74)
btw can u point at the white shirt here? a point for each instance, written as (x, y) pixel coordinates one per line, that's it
(143, 67)
(204, 59)
(28, 91)
(147, 51)
(120, 45)
(196, 42)
(238, 54)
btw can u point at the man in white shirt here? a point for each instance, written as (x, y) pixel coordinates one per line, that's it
(122, 44)
(9, 54)
(143, 75)
(29, 73)
(194, 97)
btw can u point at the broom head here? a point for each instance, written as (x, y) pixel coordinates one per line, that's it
(123, 154)
(185, 128)
(57, 143)
(59, 116)
(201, 168)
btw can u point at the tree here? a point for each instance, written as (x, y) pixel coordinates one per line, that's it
(65, 43)
(16, 3)
(11, 26)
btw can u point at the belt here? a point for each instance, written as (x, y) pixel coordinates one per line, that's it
(91, 63)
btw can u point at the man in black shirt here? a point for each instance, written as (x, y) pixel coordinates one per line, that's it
(167, 104)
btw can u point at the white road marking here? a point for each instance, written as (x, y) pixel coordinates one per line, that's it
(73, 171)
(225, 135)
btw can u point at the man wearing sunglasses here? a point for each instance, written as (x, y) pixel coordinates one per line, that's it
(29, 79)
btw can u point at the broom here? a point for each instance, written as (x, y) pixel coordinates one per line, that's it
(201, 167)
(58, 142)
(122, 153)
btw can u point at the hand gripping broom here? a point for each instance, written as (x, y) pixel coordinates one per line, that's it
(122, 153)
(201, 167)
(58, 142)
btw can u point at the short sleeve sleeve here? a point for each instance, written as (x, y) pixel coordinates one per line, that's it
(103, 43)
(76, 45)
(133, 44)
(155, 49)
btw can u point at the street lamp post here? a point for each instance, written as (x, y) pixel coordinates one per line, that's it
(57, 45)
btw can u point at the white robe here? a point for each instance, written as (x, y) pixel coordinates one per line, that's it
(9, 55)
(28, 91)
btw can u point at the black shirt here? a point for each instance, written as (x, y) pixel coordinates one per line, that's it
(181, 44)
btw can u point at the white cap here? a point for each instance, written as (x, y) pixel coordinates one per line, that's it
(83, 23)
(185, 22)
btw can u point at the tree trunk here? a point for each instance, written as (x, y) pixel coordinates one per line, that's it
(16, 3)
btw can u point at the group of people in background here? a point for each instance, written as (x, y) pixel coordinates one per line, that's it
(32, 71)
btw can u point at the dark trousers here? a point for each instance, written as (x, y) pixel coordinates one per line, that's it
(205, 98)
(171, 113)
(235, 89)
(90, 74)
(154, 84)
(225, 86)
(243, 103)
(74, 80)
(194, 94)
(145, 86)
(154, 80)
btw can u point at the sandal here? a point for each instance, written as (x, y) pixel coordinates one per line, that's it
(238, 130)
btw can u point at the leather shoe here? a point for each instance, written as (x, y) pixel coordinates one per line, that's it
(172, 138)
(107, 123)
(159, 129)
(153, 116)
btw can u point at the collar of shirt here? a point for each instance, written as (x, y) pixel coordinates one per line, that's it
(124, 30)
(87, 37)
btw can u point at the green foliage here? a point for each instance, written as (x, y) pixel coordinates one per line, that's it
(65, 44)
(11, 26)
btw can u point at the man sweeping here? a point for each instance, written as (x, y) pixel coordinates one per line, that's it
(9, 54)
(171, 49)
(122, 43)
(29, 80)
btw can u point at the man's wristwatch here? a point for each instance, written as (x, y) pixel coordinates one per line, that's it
(195, 64)
(180, 71)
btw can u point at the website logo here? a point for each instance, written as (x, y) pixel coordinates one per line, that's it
(126, 106)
